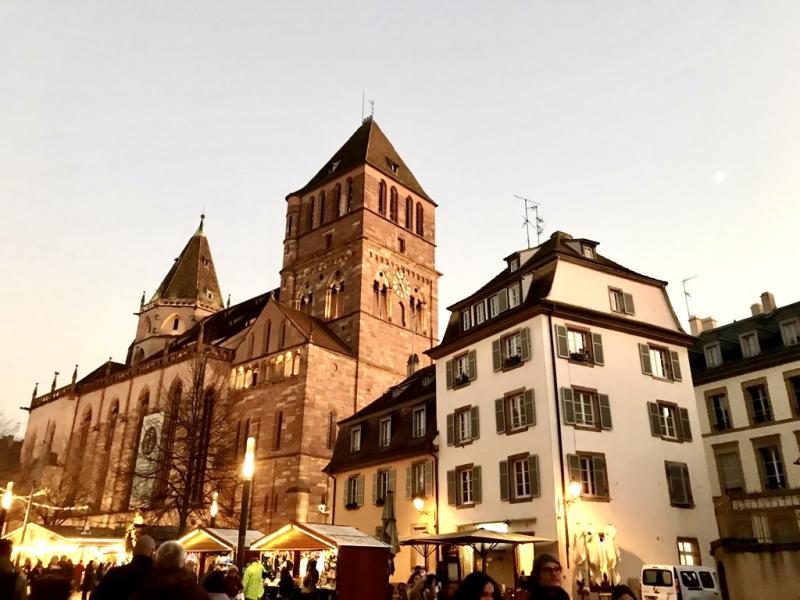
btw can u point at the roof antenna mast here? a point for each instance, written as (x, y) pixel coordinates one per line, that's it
(687, 295)
(531, 205)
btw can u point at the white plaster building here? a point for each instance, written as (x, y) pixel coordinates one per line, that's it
(569, 367)
(747, 386)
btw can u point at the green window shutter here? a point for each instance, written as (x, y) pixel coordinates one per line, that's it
(473, 367)
(504, 489)
(644, 358)
(477, 496)
(525, 343)
(500, 414)
(375, 487)
(451, 488)
(533, 472)
(449, 369)
(655, 419)
(409, 483)
(451, 429)
(530, 408)
(475, 425)
(429, 478)
(360, 490)
(597, 349)
(600, 475)
(687, 484)
(569, 406)
(686, 427)
(502, 300)
(605, 411)
(627, 302)
(574, 468)
(497, 357)
(676, 365)
(393, 481)
(562, 347)
(672, 482)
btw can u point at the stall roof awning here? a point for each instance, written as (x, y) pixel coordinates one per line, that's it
(35, 533)
(315, 536)
(214, 539)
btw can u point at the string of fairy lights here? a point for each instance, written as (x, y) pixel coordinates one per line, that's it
(43, 505)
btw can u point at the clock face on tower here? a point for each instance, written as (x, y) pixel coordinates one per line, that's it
(400, 285)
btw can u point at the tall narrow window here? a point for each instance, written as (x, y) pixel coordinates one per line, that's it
(759, 407)
(276, 435)
(409, 212)
(337, 195)
(322, 213)
(382, 198)
(349, 195)
(420, 224)
(267, 332)
(310, 214)
(393, 208)
(719, 411)
(307, 303)
(331, 437)
(770, 462)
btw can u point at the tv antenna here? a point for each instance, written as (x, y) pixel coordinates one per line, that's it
(687, 295)
(531, 205)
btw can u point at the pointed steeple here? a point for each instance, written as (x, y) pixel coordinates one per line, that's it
(367, 145)
(55, 381)
(75, 375)
(192, 276)
(35, 391)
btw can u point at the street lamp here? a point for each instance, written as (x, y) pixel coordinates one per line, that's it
(575, 489)
(214, 509)
(6, 505)
(248, 468)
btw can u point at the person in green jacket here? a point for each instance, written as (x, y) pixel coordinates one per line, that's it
(253, 581)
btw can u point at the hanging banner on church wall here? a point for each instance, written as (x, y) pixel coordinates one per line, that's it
(146, 459)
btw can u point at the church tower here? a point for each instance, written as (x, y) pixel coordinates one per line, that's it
(359, 253)
(188, 294)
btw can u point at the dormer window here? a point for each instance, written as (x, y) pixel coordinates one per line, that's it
(355, 439)
(514, 295)
(713, 355)
(466, 319)
(790, 332)
(587, 251)
(395, 168)
(479, 312)
(513, 264)
(749, 344)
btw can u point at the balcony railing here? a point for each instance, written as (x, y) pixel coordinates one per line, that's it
(763, 518)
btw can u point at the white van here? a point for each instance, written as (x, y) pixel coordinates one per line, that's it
(684, 582)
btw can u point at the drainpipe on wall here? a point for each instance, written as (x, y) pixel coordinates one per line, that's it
(560, 441)
(333, 500)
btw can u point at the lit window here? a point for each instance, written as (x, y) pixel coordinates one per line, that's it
(418, 422)
(713, 355)
(688, 551)
(385, 432)
(355, 439)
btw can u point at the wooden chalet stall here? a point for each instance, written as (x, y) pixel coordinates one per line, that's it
(214, 543)
(353, 563)
(41, 543)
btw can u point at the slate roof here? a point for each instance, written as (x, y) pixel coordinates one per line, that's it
(315, 330)
(371, 146)
(100, 372)
(766, 327)
(192, 274)
(397, 402)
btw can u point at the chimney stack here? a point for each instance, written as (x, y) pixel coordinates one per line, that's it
(768, 302)
(695, 325)
(709, 323)
(755, 309)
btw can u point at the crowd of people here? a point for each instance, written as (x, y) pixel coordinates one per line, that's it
(165, 574)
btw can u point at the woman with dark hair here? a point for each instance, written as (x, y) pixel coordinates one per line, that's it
(622, 592)
(478, 586)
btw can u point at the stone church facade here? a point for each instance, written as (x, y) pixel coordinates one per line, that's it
(353, 315)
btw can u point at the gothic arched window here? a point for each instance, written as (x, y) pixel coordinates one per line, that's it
(310, 213)
(267, 332)
(382, 198)
(393, 204)
(349, 194)
(322, 207)
(338, 199)
(420, 220)
(409, 212)
(334, 302)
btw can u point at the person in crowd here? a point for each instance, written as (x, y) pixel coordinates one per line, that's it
(169, 579)
(214, 584)
(13, 584)
(478, 586)
(233, 583)
(286, 582)
(424, 588)
(546, 579)
(51, 587)
(191, 566)
(622, 592)
(120, 583)
(77, 576)
(37, 571)
(417, 573)
(27, 565)
(310, 580)
(252, 581)
(89, 582)
(53, 569)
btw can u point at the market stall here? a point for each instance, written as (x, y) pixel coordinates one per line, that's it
(208, 545)
(351, 563)
(41, 543)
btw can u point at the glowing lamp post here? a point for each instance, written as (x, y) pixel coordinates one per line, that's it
(248, 468)
(6, 505)
(214, 509)
(575, 489)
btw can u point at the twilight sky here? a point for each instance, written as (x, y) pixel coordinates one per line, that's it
(669, 132)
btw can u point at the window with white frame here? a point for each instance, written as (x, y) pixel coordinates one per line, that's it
(790, 332)
(383, 484)
(385, 432)
(521, 476)
(749, 344)
(617, 302)
(480, 312)
(759, 405)
(587, 251)
(584, 408)
(514, 295)
(719, 411)
(516, 412)
(512, 345)
(770, 462)
(419, 472)
(589, 469)
(659, 361)
(418, 422)
(513, 264)
(465, 486)
(494, 306)
(578, 344)
(355, 439)
(354, 491)
(713, 355)
(667, 415)
(463, 425)
(466, 319)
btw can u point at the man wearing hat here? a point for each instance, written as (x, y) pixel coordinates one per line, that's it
(546, 579)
